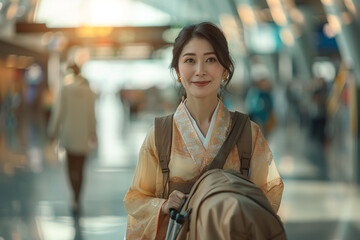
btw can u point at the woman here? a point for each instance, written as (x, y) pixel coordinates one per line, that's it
(202, 63)
(73, 119)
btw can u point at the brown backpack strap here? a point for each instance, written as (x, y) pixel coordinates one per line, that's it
(244, 146)
(239, 122)
(163, 139)
(183, 187)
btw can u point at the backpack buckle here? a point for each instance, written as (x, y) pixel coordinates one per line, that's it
(245, 164)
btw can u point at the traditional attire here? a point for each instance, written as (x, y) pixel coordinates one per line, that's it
(188, 157)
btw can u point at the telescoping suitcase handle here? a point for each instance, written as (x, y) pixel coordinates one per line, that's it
(176, 221)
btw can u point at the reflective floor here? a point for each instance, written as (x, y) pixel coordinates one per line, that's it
(35, 196)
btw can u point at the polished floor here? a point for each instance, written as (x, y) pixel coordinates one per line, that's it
(35, 197)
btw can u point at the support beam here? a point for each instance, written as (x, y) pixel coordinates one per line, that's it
(89, 35)
(346, 27)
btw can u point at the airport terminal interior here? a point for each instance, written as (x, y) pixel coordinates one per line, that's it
(304, 55)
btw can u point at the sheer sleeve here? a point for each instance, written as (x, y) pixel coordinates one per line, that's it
(264, 172)
(142, 201)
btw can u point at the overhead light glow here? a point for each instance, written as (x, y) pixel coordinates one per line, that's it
(328, 31)
(334, 23)
(75, 13)
(350, 6)
(278, 15)
(327, 2)
(246, 14)
(274, 3)
(91, 32)
(287, 37)
(11, 12)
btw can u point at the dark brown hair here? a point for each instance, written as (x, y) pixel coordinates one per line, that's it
(74, 67)
(213, 35)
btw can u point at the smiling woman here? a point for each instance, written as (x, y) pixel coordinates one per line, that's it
(200, 127)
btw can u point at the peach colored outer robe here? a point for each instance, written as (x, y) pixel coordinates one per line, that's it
(188, 157)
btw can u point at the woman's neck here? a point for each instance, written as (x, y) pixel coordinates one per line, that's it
(202, 109)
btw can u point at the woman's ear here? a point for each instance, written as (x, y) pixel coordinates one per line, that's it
(226, 73)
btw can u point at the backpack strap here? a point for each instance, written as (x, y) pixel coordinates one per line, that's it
(163, 139)
(244, 146)
(237, 135)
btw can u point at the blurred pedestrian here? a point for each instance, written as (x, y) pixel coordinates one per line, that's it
(317, 110)
(201, 123)
(259, 103)
(73, 121)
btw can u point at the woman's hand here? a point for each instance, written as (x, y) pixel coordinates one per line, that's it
(174, 201)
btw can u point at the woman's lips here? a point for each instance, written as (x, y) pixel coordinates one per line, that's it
(201, 84)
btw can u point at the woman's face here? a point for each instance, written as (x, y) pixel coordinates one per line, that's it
(200, 71)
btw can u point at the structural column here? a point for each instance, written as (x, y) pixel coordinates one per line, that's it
(342, 17)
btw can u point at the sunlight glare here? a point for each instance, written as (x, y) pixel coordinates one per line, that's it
(75, 13)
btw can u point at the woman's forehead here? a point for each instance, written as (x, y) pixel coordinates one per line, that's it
(197, 46)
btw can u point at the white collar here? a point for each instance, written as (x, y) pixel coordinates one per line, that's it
(204, 140)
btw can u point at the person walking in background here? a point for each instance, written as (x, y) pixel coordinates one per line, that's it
(317, 111)
(201, 124)
(73, 121)
(259, 103)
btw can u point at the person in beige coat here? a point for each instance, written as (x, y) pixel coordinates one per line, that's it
(73, 122)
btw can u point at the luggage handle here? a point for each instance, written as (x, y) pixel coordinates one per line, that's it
(175, 216)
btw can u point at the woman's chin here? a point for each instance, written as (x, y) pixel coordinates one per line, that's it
(202, 96)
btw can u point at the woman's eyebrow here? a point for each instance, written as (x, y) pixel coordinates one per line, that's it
(193, 54)
(188, 54)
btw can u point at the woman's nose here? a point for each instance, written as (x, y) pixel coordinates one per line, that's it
(200, 69)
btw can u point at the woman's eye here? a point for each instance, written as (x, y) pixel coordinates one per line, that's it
(189, 60)
(212, 59)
